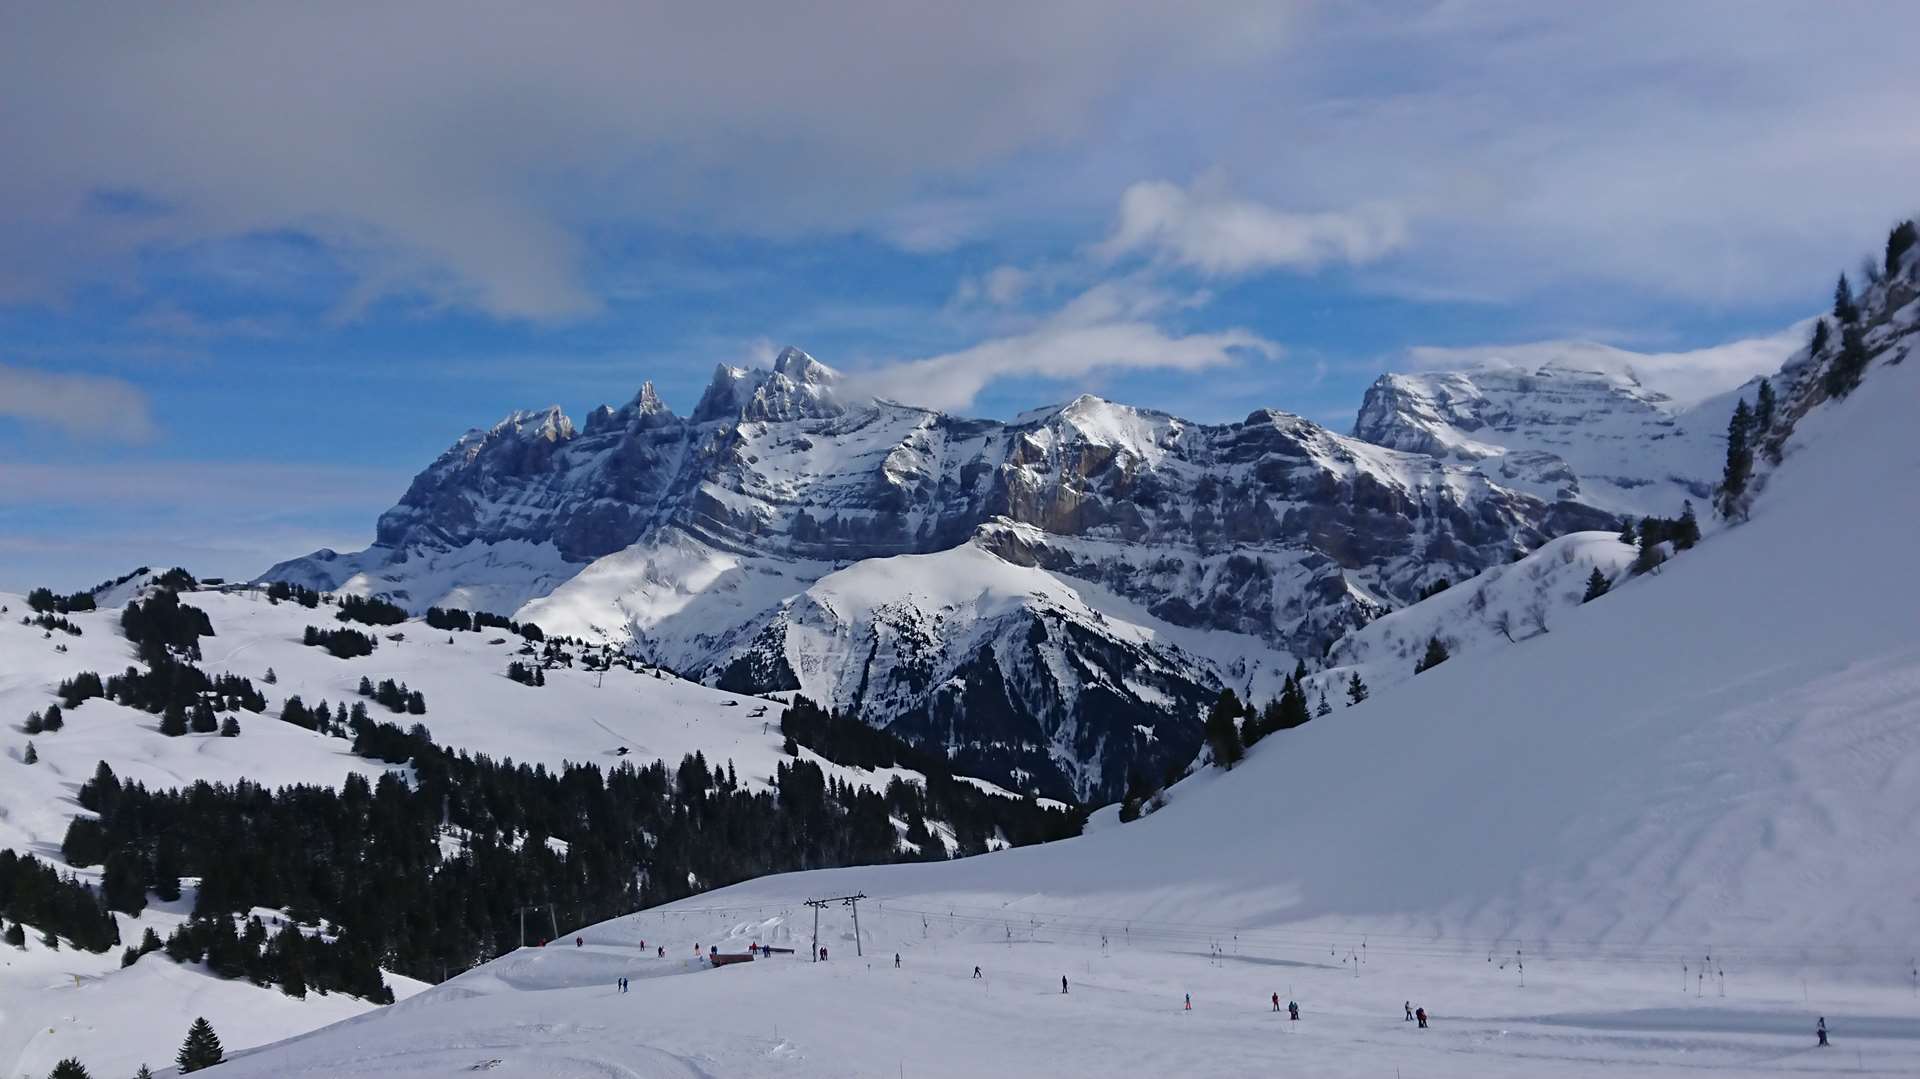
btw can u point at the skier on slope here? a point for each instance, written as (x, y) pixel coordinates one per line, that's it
(1409, 1007)
(1276, 1002)
(1293, 1010)
(1420, 1015)
(977, 974)
(1063, 983)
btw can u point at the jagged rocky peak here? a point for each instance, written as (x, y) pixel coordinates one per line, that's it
(796, 387)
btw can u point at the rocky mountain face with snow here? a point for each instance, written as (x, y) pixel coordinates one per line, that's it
(1558, 430)
(1054, 598)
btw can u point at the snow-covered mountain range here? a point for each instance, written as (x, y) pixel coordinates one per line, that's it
(1660, 837)
(1052, 599)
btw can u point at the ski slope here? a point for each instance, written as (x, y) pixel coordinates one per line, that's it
(1720, 760)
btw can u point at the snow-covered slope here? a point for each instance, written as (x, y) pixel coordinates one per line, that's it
(1717, 765)
(55, 1004)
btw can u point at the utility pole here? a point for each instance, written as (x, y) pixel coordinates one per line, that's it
(848, 900)
(553, 920)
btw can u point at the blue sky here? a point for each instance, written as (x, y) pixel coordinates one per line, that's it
(258, 266)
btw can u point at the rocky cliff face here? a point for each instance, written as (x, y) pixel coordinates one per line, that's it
(1557, 431)
(1153, 559)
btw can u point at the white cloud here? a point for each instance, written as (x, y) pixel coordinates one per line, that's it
(1220, 235)
(470, 157)
(1688, 377)
(1101, 331)
(85, 406)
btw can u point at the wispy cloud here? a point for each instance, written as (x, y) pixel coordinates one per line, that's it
(1220, 235)
(85, 406)
(1104, 330)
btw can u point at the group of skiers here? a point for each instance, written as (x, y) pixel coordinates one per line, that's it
(1413, 1014)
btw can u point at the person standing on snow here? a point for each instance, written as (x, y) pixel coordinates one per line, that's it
(977, 974)
(1820, 1030)
(1420, 1015)
(1063, 983)
(1409, 1007)
(1276, 1002)
(896, 960)
(1293, 1010)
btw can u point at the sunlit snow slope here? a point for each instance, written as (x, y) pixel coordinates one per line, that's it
(1722, 758)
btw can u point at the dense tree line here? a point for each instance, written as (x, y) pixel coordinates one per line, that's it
(527, 674)
(974, 815)
(368, 858)
(370, 610)
(341, 643)
(395, 696)
(32, 892)
(281, 591)
(455, 619)
(46, 601)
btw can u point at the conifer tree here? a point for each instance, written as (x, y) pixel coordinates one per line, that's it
(173, 722)
(1627, 534)
(1845, 311)
(1436, 655)
(17, 936)
(32, 755)
(1650, 555)
(69, 1068)
(1323, 707)
(54, 719)
(1898, 242)
(1686, 531)
(270, 678)
(1733, 479)
(1763, 409)
(1223, 730)
(230, 728)
(1356, 690)
(144, 1073)
(204, 721)
(1845, 372)
(1597, 586)
(202, 1047)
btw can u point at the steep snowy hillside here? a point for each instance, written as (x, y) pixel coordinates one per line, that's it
(700, 539)
(1714, 765)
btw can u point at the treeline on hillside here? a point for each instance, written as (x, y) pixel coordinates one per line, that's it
(370, 610)
(167, 635)
(367, 858)
(31, 892)
(394, 696)
(46, 601)
(455, 619)
(974, 815)
(341, 643)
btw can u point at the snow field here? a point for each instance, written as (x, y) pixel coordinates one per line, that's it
(555, 1011)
